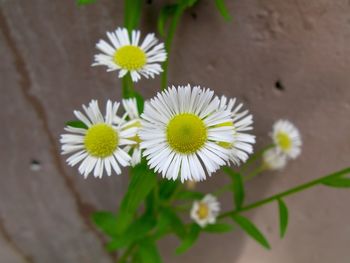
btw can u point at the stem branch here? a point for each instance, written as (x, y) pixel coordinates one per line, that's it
(286, 193)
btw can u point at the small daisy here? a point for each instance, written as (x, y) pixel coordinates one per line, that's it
(287, 138)
(241, 123)
(180, 128)
(273, 159)
(98, 146)
(126, 55)
(204, 212)
(132, 114)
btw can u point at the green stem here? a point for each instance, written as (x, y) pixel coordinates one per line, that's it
(254, 173)
(168, 42)
(128, 86)
(286, 193)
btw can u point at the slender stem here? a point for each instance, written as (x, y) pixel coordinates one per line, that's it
(168, 42)
(128, 86)
(254, 173)
(286, 193)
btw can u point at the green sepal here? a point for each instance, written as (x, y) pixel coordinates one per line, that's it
(76, 124)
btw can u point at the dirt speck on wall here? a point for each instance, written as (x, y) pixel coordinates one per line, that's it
(283, 59)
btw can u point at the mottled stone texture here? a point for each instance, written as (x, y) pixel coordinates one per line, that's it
(284, 59)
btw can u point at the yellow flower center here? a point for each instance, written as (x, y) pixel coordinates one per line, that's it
(283, 141)
(203, 210)
(130, 57)
(186, 133)
(101, 140)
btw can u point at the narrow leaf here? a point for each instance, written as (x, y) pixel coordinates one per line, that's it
(76, 124)
(141, 184)
(136, 231)
(132, 11)
(105, 221)
(167, 189)
(165, 13)
(148, 251)
(218, 228)
(169, 222)
(283, 212)
(189, 239)
(220, 5)
(339, 182)
(251, 230)
(237, 187)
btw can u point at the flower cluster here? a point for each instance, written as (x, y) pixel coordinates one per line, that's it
(184, 132)
(286, 145)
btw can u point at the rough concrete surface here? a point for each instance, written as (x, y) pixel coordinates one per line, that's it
(46, 50)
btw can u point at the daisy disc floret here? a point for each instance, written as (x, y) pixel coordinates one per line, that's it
(287, 138)
(205, 211)
(98, 148)
(126, 54)
(180, 128)
(242, 123)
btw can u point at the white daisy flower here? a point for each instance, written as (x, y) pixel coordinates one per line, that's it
(98, 147)
(287, 138)
(241, 123)
(204, 212)
(126, 55)
(180, 128)
(132, 113)
(273, 159)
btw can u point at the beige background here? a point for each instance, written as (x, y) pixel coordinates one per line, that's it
(46, 48)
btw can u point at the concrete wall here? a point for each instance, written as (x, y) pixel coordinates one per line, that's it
(46, 48)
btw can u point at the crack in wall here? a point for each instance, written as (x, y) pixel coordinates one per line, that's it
(84, 209)
(26, 258)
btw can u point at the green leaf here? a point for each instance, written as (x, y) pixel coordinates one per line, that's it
(189, 239)
(339, 182)
(218, 228)
(136, 231)
(167, 189)
(189, 195)
(132, 13)
(106, 221)
(251, 229)
(148, 251)
(165, 13)
(169, 222)
(77, 124)
(237, 187)
(141, 184)
(85, 2)
(283, 212)
(220, 5)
